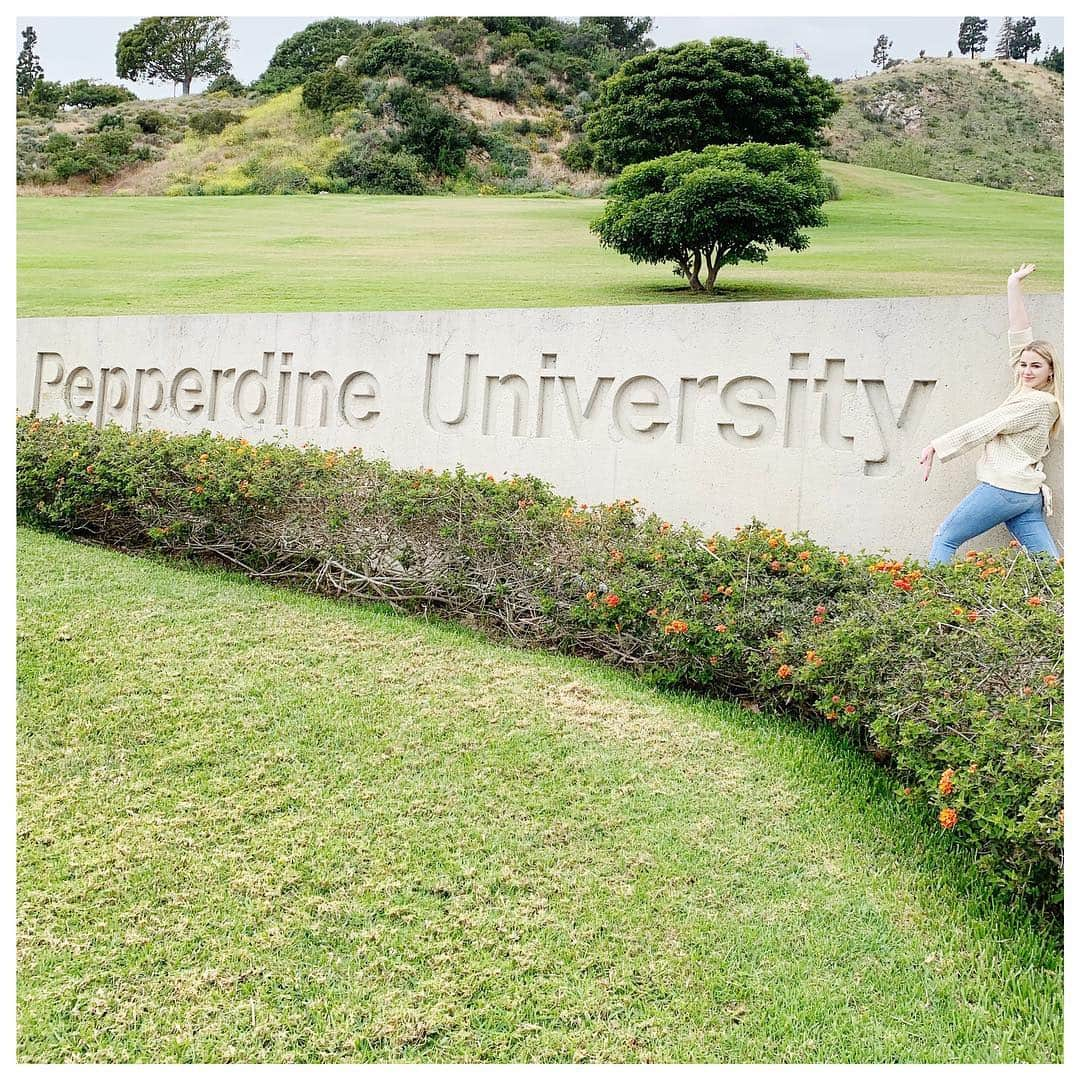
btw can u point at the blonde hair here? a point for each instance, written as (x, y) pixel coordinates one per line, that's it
(1045, 350)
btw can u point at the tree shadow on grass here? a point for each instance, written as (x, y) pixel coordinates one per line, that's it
(739, 291)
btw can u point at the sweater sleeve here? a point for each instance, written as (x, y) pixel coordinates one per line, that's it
(1006, 419)
(1018, 341)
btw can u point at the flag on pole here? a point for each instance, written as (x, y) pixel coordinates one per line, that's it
(800, 51)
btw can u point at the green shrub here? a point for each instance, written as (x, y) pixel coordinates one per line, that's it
(438, 137)
(150, 121)
(45, 98)
(332, 90)
(88, 94)
(109, 121)
(226, 83)
(379, 171)
(213, 121)
(508, 160)
(952, 676)
(578, 154)
(402, 54)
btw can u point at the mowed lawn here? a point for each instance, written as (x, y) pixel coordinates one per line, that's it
(255, 825)
(889, 235)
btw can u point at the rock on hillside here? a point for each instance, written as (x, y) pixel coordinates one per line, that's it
(999, 123)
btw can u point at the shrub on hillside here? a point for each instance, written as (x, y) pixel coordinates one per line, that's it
(213, 121)
(109, 121)
(951, 675)
(401, 54)
(150, 121)
(226, 83)
(332, 90)
(88, 94)
(580, 154)
(440, 138)
(96, 157)
(379, 170)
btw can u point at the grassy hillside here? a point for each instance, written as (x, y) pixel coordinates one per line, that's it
(889, 235)
(259, 826)
(997, 123)
(993, 122)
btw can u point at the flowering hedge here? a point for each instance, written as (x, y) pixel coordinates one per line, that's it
(951, 676)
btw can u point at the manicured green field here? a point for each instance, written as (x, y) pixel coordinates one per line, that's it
(259, 826)
(890, 235)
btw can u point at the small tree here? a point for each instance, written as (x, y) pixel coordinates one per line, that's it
(174, 48)
(723, 205)
(973, 36)
(310, 50)
(1024, 39)
(28, 67)
(880, 55)
(1054, 60)
(692, 95)
(1003, 50)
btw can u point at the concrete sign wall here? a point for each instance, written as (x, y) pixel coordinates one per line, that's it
(808, 415)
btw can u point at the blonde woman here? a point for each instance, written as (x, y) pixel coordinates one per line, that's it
(1015, 438)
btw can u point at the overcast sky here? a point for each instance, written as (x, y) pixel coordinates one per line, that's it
(76, 47)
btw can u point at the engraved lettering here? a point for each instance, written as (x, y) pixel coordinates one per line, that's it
(749, 411)
(641, 397)
(431, 387)
(889, 426)
(368, 393)
(189, 384)
(80, 381)
(521, 402)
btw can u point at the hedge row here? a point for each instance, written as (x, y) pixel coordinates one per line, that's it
(951, 676)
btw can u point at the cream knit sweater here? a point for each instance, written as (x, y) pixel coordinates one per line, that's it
(1014, 437)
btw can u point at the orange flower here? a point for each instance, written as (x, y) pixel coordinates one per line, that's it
(204, 457)
(590, 595)
(830, 716)
(612, 600)
(616, 556)
(774, 565)
(836, 699)
(907, 792)
(199, 489)
(665, 526)
(721, 628)
(783, 671)
(972, 616)
(849, 709)
(804, 555)
(843, 560)
(330, 460)
(973, 767)
(714, 660)
(1034, 601)
(947, 817)
(817, 620)
(945, 784)
(1026, 691)
(658, 556)
(902, 583)
(957, 610)
(812, 657)
(1050, 680)
(773, 542)
(676, 626)
(90, 468)
(711, 546)
(652, 612)
(705, 597)
(821, 609)
(1014, 543)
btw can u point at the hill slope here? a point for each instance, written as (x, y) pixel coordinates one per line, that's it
(999, 123)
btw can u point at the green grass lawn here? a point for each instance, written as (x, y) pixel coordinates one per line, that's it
(255, 825)
(890, 235)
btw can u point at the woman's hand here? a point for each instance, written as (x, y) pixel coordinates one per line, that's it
(1022, 271)
(927, 458)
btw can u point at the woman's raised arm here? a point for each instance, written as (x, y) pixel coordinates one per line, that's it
(1018, 316)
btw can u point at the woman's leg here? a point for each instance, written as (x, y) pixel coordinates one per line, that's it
(1029, 527)
(984, 508)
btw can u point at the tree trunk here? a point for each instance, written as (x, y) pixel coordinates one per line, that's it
(187, 87)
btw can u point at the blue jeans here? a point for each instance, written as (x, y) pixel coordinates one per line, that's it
(987, 506)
